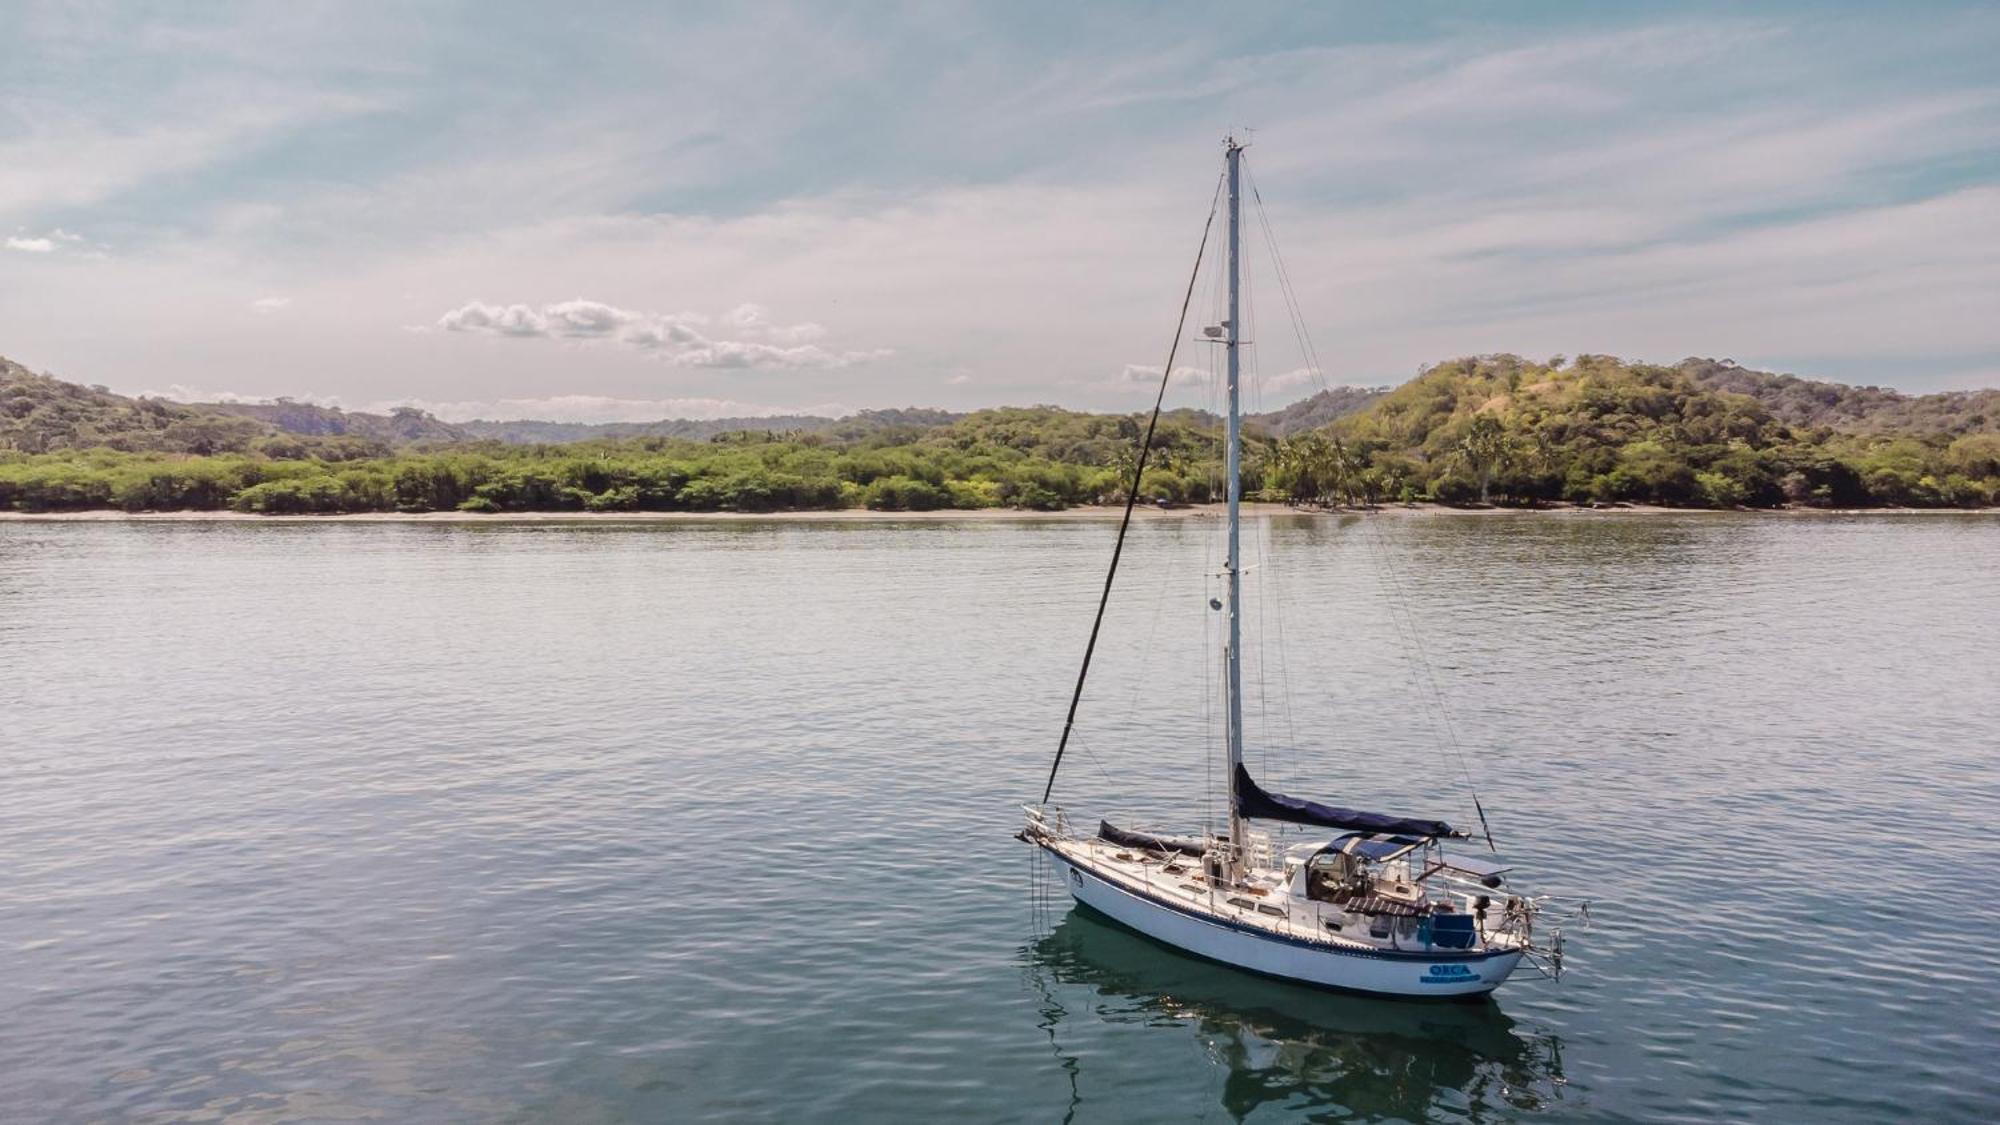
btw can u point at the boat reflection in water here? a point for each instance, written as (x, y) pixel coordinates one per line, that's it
(1323, 1054)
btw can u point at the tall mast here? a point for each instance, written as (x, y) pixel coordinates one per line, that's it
(1233, 655)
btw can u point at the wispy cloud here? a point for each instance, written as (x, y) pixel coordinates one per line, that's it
(64, 161)
(1258, 389)
(674, 337)
(57, 239)
(1781, 188)
(1140, 375)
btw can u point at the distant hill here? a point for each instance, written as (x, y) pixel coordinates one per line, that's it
(102, 418)
(700, 429)
(1697, 434)
(1855, 410)
(41, 414)
(1312, 413)
(400, 426)
(1479, 429)
(532, 432)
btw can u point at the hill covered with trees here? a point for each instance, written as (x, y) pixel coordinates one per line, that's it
(42, 414)
(1600, 430)
(1316, 411)
(1862, 410)
(404, 425)
(1484, 429)
(39, 414)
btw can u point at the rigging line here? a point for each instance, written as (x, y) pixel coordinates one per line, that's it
(1271, 652)
(1310, 353)
(1269, 642)
(1277, 589)
(1092, 755)
(1253, 393)
(1266, 545)
(1132, 494)
(1263, 687)
(1208, 692)
(1404, 628)
(1212, 591)
(1139, 682)
(1437, 696)
(1316, 370)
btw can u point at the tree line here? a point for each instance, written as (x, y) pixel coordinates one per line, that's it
(1032, 460)
(1480, 430)
(1500, 429)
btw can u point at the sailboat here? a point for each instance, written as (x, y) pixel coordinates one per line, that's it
(1389, 905)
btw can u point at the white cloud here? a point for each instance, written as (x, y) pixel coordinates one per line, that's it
(507, 320)
(671, 336)
(270, 304)
(1297, 382)
(743, 354)
(584, 319)
(605, 408)
(754, 322)
(1143, 375)
(55, 240)
(1204, 387)
(1624, 184)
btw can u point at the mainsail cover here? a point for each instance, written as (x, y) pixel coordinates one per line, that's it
(1125, 837)
(1255, 802)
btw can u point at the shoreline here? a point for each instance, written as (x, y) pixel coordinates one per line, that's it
(946, 515)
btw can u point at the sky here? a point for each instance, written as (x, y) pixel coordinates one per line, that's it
(624, 212)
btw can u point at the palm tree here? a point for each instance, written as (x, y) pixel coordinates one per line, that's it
(1303, 460)
(1485, 446)
(1344, 470)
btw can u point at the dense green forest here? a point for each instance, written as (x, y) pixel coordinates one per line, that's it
(1604, 431)
(1488, 429)
(1862, 410)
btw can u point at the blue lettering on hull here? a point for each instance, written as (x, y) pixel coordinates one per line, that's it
(1448, 974)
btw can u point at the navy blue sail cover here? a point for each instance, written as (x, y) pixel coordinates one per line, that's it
(1253, 801)
(1186, 845)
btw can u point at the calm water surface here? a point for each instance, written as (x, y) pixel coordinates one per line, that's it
(672, 822)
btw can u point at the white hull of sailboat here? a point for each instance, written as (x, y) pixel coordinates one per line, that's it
(1404, 974)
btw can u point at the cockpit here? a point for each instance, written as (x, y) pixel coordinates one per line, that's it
(1395, 884)
(1357, 865)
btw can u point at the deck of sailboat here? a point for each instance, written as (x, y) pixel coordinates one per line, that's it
(1261, 905)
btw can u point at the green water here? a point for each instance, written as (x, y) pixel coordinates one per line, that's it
(712, 821)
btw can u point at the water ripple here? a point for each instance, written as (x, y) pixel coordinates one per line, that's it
(417, 822)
